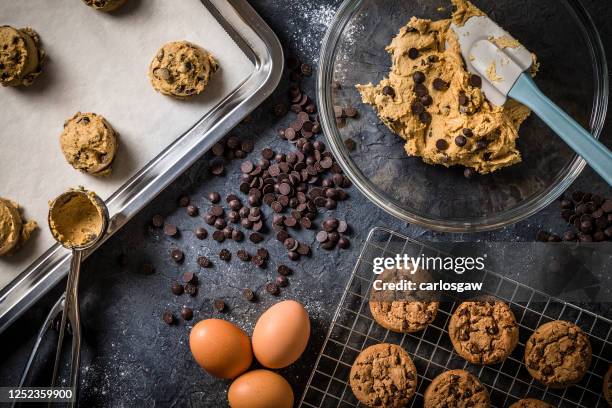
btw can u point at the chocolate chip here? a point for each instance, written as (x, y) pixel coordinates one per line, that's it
(460, 141)
(218, 236)
(186, 313)
(272, 288)
(439, 84)
(282, 281)
(192, 210)
(425, 117)
(248, 294)
(418, 77)
(463, 100)
(237, 235)
(204, 262)
(426, 100)
(191, 289)
(441, 144)
(177, 255)
(225, 255)
(170, 230)
(219, 305)
(467, 132)
(420, 90)
(344, 243)
(417, 108)
(201, 233)
(177, 288)
(157, 221)
(388, 91)
(284, 270)
(475, 81)
(413, 53)
(256, 238)
(168, 317)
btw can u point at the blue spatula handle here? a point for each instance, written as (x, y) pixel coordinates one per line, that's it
(581, 141)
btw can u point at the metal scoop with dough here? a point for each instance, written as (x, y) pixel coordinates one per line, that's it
(78, 220)
(504, 70)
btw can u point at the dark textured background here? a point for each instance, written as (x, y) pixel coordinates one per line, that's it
(130, 357)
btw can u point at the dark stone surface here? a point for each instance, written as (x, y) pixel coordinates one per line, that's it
(130, 357)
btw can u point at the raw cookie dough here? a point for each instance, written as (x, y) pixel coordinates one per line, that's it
(89, 143)
(558, 354)
(77, 219)
(21, 56)
(400, 313)
(14, 230)
(456, 388)
(105, 5)
(483, 332)
(531, 403)
(383, 375)
(607, 386)
(181, 69)
(437, 106)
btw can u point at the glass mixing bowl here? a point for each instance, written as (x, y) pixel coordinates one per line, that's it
(572, 73)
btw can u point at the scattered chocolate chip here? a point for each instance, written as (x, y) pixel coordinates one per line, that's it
(201, 233)
(441, 144)
(439, 84)
(177, 288)
(388, 91)
(425, 117)
(272, 288)
(248, 294)
(186, 313)
(418, 77)
(214, 197)
(282, 281)
(463, 99)
(204, 262)
(475, 81)
(168, 317)
(284, 270)
(219, 305)
(344, 243)
(460, 141)
(170, 230)
(225, 255)
(157, 221)
(413, 53)
(177, 255)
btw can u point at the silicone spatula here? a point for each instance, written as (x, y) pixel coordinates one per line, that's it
(503, 64)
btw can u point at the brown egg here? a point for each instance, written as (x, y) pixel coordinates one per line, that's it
(281, 334)
(220, 348)
(260, 389)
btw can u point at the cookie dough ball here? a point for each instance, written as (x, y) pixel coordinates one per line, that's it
(558, 354)
(181, 69)
(483, 332)
(456, 388)
(530, 403)
(89, 143)
(105, 5)
(21, 56)
(384, 375)
(14, 230)
(402, 312)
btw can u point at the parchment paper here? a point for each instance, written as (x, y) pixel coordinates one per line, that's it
(97, 62)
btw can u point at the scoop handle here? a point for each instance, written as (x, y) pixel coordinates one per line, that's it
(582, 142)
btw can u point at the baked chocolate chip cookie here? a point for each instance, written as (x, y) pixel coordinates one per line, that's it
(181, 69)
(531, 403)
(404, 312)
(483, 332)
(558, 354)
(384, 375)
(607, 386)
(456, 388)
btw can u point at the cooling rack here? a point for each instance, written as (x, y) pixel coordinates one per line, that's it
(353, 329)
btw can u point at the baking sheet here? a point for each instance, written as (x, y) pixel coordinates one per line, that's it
(98, 62)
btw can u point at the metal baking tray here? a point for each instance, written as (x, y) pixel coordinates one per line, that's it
(262, 48)
(353, 329)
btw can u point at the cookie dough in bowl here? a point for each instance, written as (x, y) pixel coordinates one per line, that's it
(89, 143)
(431, 101)
(181, 69)
(105, 5)
(14, 229)
(21, 56)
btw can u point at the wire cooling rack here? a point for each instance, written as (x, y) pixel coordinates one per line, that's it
(353, 329)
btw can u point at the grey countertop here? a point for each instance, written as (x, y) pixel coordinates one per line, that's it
(130, 356)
